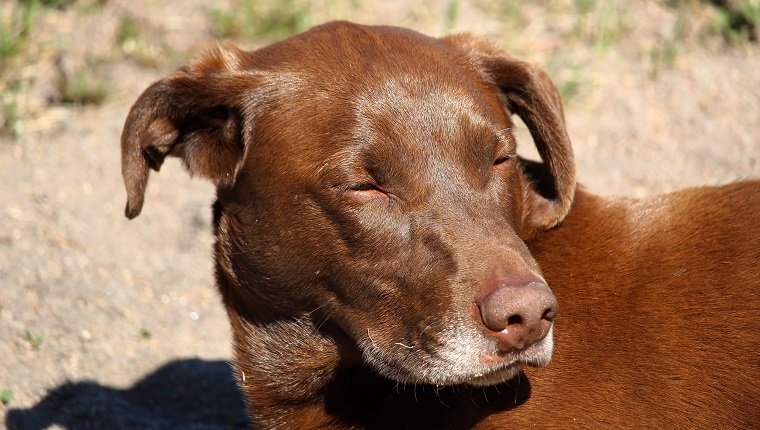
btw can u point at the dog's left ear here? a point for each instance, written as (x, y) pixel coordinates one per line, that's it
(196, 114)
(531, 95)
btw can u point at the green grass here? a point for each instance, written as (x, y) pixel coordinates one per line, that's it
(6, 395)
(52, 4)
(664, 56)
(82, 90)
(137, 47)
(450, 18)
(751, 10)
(11, 123)
(569, 88)
(128, 31)
(34, 339)
(567, 74)
(601, 23)
(267, 19)
(81, 87)
(14, 38)
(737, 21)
(15, 31)
(584, 7)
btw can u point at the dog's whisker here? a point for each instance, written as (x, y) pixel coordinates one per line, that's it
(317, 308)
(438, 395)
(324, 320)
(370, 339)
(485, 396)
(419, 337)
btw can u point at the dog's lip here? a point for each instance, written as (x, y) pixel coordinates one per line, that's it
(496, 361)
(509, 368)
(503, 366)
(507, 364)
(534, 355)
(503, 372)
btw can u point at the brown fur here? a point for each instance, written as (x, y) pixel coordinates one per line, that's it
(370, 211)
(658, 326)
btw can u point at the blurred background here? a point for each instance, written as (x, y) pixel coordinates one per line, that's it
(109, 323)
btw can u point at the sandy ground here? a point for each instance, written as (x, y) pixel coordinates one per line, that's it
(109, 323)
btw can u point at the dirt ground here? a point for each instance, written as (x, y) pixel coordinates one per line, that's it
(109, 323)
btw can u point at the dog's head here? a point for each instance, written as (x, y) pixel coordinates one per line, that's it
(368, 176)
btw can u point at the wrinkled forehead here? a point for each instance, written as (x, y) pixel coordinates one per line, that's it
(421, 106)
(430, 119)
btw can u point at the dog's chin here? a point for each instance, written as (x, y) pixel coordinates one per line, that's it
(537, 355)
(500, 376)
(490, 368)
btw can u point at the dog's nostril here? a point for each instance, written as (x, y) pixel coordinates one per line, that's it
(549, 314)
(514, 319)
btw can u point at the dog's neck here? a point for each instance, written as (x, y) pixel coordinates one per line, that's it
(272, 358)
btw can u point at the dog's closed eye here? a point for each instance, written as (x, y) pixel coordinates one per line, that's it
(367, 191)
(502, 160)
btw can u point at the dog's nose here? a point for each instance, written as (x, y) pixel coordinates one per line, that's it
(518, 315)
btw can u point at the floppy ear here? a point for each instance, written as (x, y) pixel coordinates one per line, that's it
(196, 114)
(531, 95)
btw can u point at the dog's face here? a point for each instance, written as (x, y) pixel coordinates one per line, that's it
(367, 177)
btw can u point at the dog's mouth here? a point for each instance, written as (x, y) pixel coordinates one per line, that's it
(501, 375)
(509, 366)
(460, 366)
(534, 356)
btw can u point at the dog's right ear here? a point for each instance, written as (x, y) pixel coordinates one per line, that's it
(196, 114)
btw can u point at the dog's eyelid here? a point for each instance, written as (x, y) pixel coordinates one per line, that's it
(504, 148)
(364, 186)
(363, 189)
(366, 192)
(503, 158)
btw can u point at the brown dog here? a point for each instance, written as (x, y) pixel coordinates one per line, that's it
(371, 224)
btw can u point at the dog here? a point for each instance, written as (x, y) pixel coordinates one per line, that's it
(375, 230)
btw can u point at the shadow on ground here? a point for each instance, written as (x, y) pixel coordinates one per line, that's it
(183, 394)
